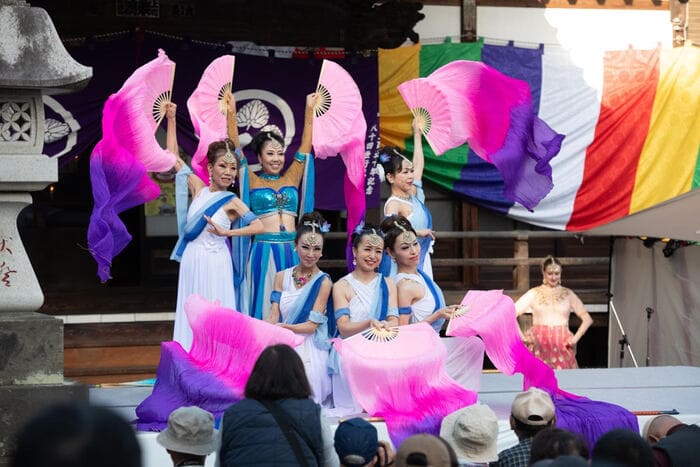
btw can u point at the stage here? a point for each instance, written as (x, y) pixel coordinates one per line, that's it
(636, 389)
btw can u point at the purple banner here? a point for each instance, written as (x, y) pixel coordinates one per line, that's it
(270, 92)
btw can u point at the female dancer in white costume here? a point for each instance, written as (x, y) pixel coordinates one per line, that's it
(299, 301)
(205, 261)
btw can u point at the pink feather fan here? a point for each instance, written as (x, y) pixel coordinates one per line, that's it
(208, 109)
(402, 378)
(435, 113)
(227, 343)
(143, 98)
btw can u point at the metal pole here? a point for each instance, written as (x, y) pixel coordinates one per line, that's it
(623, 341)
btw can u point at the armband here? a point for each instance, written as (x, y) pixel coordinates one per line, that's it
(405, 310)
(248, 217)
(275, 296)
(342, 312)
(392, 311)
(300, 156)
(316, 317)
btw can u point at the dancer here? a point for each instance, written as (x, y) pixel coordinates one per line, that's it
(362, 299)
(299, 301)
(421, 299)
(407, 198)
(205, 262)
(274, 197)
(551, 304)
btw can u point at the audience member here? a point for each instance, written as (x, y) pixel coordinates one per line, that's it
(473, 433)
(190, 436)
(71, 434)
(623, 448)
(562, 461)
(551, 443)
(532, 411)
(673, 442)
(277, 423)
(425, 450)
(357, 445)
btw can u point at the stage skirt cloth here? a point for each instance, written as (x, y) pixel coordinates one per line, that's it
(465, 360)
(206, 270)
(270, 253)
(549, 344)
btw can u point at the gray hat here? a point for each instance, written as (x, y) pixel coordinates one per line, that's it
(472, 432)
(190, 430)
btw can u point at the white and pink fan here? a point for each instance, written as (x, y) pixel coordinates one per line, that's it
(208, 108)
(432, 110)
(336, 111)
(144, 96)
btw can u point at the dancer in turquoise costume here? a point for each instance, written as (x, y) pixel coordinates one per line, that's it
(206, 265)
(299, 302)
(407, 198)
(274, 197)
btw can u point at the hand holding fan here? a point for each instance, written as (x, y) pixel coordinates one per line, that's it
(431, 109)
(207, 106)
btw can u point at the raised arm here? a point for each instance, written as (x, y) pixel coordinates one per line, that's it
(231, 119)
(194, 184)
(418, 157)
(582, 313)
(307, 134)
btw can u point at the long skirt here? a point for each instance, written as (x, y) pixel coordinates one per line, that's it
(550, 344)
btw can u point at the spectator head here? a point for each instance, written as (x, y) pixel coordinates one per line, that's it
(425, 450)
(190, 431)
(356, 443)
(658, 427)
(531, 411)
(473, 433)
(624, 448)
(562, 461)
(278, 374)
(551, 443)
(76, 435)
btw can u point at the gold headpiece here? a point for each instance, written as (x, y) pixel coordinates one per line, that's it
(312, 238)
(407, 236)
(374, 239)
(408, 161)
(229, 158)
(273, 142)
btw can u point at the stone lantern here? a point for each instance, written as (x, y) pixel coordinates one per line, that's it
(33, 63)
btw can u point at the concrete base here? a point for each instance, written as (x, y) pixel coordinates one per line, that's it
(18, 403)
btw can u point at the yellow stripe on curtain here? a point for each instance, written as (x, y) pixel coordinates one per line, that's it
(670, 152)
(395, 67)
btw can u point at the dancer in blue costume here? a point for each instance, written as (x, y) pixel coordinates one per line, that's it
(274, 197)
(205, 261)
(421, 299)
(299, 303)
(362, 299)
(407, 198)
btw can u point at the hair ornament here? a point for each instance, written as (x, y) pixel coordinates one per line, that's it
(407, 236)
(229, 158)
(312, 238)
(325, 227)
(374, 238)
(408, 161)
(384, 158)
(379, 170)
(359, 228)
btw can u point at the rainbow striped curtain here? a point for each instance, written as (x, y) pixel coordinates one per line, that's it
(631, 120)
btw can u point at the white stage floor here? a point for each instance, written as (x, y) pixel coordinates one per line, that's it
(636, 389)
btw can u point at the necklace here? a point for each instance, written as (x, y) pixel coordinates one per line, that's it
(402, 197)
(300, 280)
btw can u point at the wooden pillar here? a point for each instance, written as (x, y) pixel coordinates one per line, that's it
(469, 21)
(521, 272)
(679, 21)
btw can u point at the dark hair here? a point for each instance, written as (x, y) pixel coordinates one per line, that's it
(263, 137)
(367, 229)
(390, 158)
(523, 430)
(550, 260)
(419, 458)
(308, 218)
(551, 443)
(218, 149)
(624, 447)
(72, 434)
(392, 230)
(278, 374)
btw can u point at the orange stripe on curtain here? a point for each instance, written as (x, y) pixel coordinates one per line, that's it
(667, 163)
(629, 86)
(395, 67)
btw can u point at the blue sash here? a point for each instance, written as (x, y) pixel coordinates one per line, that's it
(437, 295)
(302, 311)
(194, 227)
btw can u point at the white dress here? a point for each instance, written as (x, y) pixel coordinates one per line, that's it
(343, 402)
(315, 359)
(205, 269)
(465, 355)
